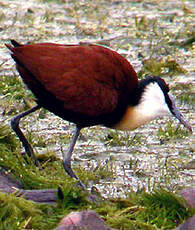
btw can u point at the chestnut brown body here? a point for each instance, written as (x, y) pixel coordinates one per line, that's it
(87, 85)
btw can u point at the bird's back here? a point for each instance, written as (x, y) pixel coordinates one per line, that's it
(85, 84)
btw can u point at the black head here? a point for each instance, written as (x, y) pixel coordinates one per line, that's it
(137, 94)
(154, 93)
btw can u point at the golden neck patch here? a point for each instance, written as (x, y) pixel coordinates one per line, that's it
(152, 105)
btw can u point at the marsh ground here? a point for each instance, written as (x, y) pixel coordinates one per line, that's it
(157, 37)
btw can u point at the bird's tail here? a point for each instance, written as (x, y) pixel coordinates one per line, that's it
(14, 43)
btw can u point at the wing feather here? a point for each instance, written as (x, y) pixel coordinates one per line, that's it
(87, 79)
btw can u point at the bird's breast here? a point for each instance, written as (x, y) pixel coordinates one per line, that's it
(133, 118)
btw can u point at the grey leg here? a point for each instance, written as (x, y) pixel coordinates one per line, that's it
(15, 126)
(67, 157)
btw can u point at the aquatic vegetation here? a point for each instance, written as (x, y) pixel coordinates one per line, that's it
(158, 39)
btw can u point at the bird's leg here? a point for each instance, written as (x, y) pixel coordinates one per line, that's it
(15, 126)
(67, 157)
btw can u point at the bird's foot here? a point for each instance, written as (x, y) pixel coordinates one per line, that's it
(68, 169)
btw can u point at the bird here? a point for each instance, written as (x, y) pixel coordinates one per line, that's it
(88, 85)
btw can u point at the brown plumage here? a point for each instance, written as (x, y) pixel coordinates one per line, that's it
(88, 85)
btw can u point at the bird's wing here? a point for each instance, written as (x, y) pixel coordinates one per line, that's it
(88, 79)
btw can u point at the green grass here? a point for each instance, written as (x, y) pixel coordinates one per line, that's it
(115, 138)
(185, 93)
(157, 210)
(171, 132)
(163, 45)
(18, 213)
(161, 67)
(15, 96)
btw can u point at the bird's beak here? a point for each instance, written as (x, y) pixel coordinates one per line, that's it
(176, 113)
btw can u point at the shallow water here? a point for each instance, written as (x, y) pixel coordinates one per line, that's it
(141, 29)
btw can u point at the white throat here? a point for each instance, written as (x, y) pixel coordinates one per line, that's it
(153, 102)
(151, 106)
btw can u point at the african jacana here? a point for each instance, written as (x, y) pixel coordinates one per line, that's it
(88, 85)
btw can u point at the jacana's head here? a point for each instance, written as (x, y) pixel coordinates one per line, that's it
(150, 100)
